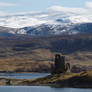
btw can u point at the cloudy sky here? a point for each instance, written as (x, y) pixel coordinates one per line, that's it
(14, 6)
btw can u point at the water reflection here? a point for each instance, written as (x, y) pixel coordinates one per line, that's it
(40, 89)
(23, 75)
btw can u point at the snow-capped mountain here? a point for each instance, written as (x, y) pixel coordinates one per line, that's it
(54, 29)
(33, 19)
(54, 21)
(45, 30)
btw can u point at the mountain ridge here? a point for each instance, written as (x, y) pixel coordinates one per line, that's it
(54, 21)
(46, 30)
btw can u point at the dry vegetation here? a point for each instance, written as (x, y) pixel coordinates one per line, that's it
(83, 80)
(79, 80)
(29, 54)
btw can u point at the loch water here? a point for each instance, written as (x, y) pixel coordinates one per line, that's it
(40, 89)
(23, 75)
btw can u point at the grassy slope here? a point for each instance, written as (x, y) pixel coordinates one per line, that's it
(36, 54)
(83, 79)
(78, 80)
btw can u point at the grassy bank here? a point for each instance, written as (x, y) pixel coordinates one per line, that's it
(79, 80)
(82, 80)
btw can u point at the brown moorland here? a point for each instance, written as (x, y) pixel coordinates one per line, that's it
(36, 54)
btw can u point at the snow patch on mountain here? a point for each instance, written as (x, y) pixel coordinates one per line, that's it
(18, 21)
(55, 20)
(53, 15)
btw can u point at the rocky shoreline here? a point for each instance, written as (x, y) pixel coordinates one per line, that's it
(61, 76)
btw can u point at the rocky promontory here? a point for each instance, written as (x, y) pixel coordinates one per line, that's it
(61, 76)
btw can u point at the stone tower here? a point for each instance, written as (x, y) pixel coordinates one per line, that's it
(60, 65)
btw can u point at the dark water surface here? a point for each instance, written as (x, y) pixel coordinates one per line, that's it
(40, 89)
(23, 75)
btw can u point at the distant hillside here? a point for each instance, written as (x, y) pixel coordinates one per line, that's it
(48, 30)
(25, 53)
(62, 44)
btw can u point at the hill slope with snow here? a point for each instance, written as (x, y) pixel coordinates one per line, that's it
(54, 21)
